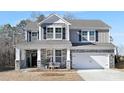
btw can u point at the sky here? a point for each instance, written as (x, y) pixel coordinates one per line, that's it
(113, 19)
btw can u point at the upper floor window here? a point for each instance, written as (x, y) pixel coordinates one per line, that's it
(92, 36)
(84, 36)
(58, 33)
(88, 36)
(49, 34)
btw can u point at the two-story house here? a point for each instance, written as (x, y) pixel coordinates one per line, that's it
(78, 44)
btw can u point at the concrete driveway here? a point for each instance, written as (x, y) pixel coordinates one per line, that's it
(101, 75)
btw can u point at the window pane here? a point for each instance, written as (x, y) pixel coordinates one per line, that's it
(92, 35)
(58, 33)
(49, 35)
(34, 33)
(58, 53)
(49, 30)
(58, 59)
(58, 30)
(84, 33)
(84, 36)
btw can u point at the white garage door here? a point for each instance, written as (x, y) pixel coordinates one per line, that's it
(85, 61)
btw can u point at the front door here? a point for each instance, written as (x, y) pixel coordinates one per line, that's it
(34, 59)
(31, 58)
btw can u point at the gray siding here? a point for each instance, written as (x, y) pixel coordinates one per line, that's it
(103, 36)
(74, 36)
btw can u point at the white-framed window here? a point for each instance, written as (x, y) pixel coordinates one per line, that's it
(49, 34)
(92, 36)
(58, 56)
(58, 33)
(88, 36)
(54, 55)
(54, 32)
(84, 36)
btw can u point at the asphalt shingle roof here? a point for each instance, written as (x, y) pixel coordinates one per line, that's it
(33, 26)
(88, 23)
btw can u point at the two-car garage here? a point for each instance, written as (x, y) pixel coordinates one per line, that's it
(90, 61)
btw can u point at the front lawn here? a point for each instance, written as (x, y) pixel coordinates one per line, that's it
(45, 75)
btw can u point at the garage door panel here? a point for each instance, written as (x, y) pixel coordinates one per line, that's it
(80, 60)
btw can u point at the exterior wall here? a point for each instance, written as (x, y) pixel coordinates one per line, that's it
(74, 36)
(103, 36)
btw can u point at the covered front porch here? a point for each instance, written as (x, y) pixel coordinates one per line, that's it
(43, 57)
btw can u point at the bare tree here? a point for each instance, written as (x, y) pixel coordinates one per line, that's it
(69, 16)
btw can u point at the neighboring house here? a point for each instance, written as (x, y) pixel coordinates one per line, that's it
(78, 44)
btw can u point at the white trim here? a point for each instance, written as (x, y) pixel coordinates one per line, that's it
(58, 56)
(26, 38)
(67, 33)
(17, 57)
(57, 16)
(38, 54)
(68, 54)
(40, 33)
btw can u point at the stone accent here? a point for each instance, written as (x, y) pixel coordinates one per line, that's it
(112, 61)
(64, 54)
(17, 65)
(43, 55)
(39, 65)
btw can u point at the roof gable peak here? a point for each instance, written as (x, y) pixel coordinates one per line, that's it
(54, 15)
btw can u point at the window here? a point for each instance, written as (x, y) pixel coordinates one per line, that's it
(50, 33)
(58, 55)
(87, 36)
(58, 33)
(34, 33)
(84, 36)
(92, 36)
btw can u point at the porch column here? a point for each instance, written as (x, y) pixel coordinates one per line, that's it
(17, 59)
(67, 33)
(39, 58)
(68, 62)
(26, 36)
(40, 33)
(23, 59)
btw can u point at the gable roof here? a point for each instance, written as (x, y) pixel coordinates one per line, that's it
(88, 23)
(54, 15)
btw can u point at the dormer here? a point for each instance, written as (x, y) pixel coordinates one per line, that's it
(54, 27)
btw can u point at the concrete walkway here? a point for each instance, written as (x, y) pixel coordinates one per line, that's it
(101, 75)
